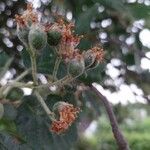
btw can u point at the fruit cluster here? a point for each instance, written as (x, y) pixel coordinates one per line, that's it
(35, 35)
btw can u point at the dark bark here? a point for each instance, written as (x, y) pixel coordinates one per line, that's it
(120, 140)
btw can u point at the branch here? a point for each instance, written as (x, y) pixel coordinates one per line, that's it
(57, 63)
(120, 140)
(43, 104)
(34, 67)
(6, 67)
(20, 77)
(61, 82)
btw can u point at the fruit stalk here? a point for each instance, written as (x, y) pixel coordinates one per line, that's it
(45, 107)
(33, 65)
(57, 63)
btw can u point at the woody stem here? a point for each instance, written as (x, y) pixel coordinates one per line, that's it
(120, 140)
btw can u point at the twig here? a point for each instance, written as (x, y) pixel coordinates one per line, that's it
(4, 93)
(57, 63)
(5, 68)
(120, 140)
(18, 84)
(15, 103)
(20, 77)
(34, 67)
(61, 82)
(45, 107)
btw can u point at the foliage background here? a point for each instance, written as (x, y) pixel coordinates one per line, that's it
(116, 25)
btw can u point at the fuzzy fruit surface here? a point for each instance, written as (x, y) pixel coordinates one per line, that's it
(37, 38)
(53, 37)
(76, 67)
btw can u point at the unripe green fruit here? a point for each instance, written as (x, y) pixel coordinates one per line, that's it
(15, 94)
(89, 59)
(37, 38)
(76, 67)
(1, 110)
(22, 34)
(53, 37)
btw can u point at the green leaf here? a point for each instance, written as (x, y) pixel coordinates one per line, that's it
(34, 127)
(66, 140)
(67, 96)
(10, 112)
(3, 58)
(8, 128)
(89, 96)
(84, 20)
(114, 5)
(84, 44)
(129, 59)
(5, 62)
(62, 70)
(52, 99)
(7, 125)
(45, 60)
(144, 10)
(12, 142)
(93, 75)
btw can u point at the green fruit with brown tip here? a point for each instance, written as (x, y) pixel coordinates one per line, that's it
(53, 37)
(37, 38)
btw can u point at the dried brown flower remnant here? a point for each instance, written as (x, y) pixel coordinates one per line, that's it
(20, 20)
(67, 115)
(59, 126)
(30, 7)
(99, 53)
(30, 15)
(68, 43)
